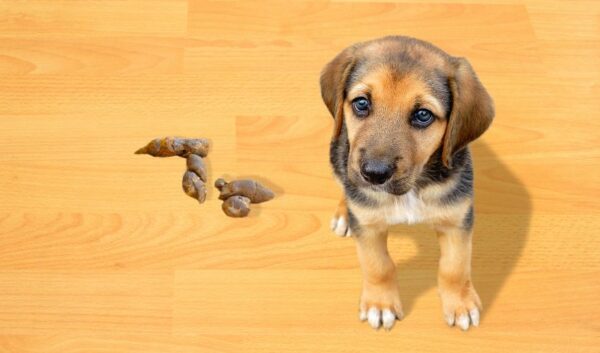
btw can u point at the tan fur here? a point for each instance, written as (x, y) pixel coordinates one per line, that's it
(454, 277)
(380, 288)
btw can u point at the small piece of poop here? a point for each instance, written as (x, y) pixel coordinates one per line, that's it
(236, 206)
(195, 164)
(193, 186)
(175, 146)
(251, 189)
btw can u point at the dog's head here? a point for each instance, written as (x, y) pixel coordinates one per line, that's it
(401, 100)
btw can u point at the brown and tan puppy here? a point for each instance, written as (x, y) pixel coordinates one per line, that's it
(404, 113)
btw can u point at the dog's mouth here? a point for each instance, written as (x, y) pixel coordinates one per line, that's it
(397, 186)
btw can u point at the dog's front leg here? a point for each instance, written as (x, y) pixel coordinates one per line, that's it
(460, 301)
(380, 301)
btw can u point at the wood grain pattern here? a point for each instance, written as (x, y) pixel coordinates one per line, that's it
(100, 251)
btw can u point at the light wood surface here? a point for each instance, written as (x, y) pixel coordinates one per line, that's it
(100, 250)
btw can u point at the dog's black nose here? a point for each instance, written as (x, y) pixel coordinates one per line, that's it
(376, 172)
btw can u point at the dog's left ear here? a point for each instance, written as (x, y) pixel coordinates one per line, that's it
(333, 82)
(472, 110)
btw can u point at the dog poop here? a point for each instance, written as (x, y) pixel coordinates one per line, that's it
(236, 206)
(238, 195)
(175, 146)
(245, 187)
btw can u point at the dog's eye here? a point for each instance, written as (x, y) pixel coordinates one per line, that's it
(361, 106)
(422, 118)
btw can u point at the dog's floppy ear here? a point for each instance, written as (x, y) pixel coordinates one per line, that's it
(333, 82)
(472, 110)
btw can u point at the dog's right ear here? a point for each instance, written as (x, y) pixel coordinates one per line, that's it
(333, 82)
(472, 110)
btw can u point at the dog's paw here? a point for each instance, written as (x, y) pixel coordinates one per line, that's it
(380, 306)
(339, 225)
(461, 307)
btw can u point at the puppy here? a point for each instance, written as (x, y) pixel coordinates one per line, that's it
(404, 112)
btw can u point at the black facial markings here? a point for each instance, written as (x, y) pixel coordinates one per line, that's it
(463, 188)
(356, 195)
(339, 151)
(435, 172)
(338, 154)
(397, 187)
(353, 76)
(438, 84)
(469, 219)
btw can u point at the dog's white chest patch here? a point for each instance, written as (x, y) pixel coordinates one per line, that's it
(408, 208)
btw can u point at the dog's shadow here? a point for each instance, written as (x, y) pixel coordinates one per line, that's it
(502, 216)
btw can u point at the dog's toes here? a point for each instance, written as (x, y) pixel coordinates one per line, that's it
(374, 318)
(380, 305)
(362, 316)
(463, 322)
(388, 319)
(339, 225)
(463, 319)
(460, 310)
(474, 314)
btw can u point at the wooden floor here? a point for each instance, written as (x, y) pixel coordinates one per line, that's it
(100, 250)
